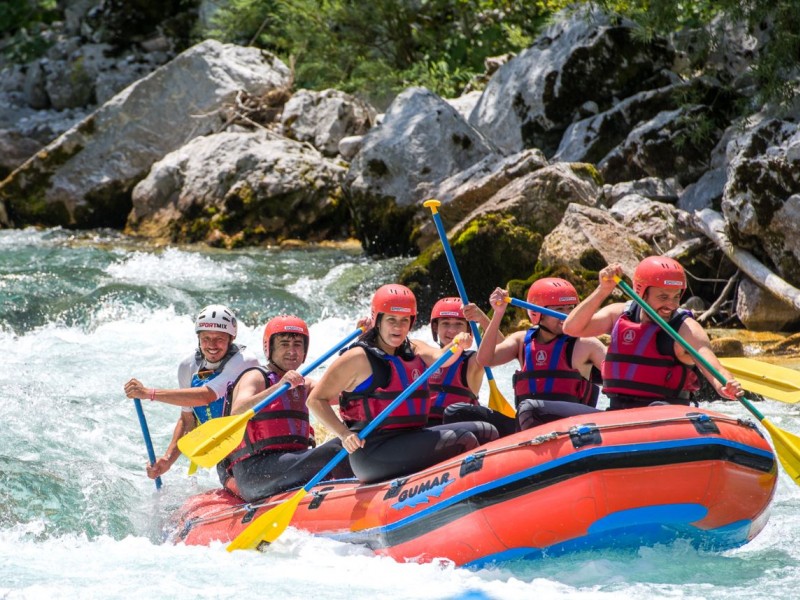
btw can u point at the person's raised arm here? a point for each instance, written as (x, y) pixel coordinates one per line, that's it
(588, 319)
(430, 354)
(495, 349)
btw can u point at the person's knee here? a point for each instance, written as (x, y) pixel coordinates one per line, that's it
(458, 412)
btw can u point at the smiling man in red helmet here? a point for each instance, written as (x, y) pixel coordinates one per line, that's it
(277, 451)
(643, 364)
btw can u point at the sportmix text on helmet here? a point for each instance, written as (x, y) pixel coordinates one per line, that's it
(402, 309)
(450, 313)
(671, 282)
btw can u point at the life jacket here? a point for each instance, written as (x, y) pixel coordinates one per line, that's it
(391, 374)
(449, 386)
(201, 377)
(641, 360)
(547, 372)
(283, 425)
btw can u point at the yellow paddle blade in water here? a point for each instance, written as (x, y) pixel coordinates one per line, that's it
(787, 447)
(192, 468)
(215, 439)
(269, 526)
(498, 403)
(772, 381)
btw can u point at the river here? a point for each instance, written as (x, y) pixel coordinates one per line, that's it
(82, 313)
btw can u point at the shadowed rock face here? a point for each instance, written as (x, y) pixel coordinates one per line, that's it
(532, 99)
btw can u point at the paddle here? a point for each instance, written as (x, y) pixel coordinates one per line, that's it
(787, 445)
(536, 308)
(497, 401)
(212, 441)
(269, 526)
(146, 434)
(773, 381)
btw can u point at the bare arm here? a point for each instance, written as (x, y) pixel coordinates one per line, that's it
(588, 319)
(346, 372)
(697, 338)
(494, 349)
(251, 389)
(199, 396)
(185, 424)
(430, 354)
(588, 353)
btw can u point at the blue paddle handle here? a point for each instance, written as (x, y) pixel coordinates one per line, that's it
(146, 434)
(309, 368)
(537, 308)
(462, 292)
(372, 425)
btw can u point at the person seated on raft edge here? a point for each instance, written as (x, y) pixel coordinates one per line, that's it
(644, 365)
(203, 379)
(556, 374)
(461, 381)
(369, 375)
(277, 453)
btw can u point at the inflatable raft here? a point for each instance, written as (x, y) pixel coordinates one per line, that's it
(621, 479)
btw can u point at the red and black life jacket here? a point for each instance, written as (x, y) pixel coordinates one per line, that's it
(390, 376)
(282, 425)
(450, 385)
(641, 360)
(547, 372)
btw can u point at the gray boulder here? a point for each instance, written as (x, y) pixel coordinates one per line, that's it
(85, 177)
(240, 188)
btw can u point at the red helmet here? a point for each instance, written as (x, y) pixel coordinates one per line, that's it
(285, 324)
(550, 291)
(394, 299)
(658, 271)
(448, 308)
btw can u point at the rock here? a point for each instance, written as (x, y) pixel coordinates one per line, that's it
(421, 141)
(465, 104)
(350, 145)
(85, 177)
(464, 192)
(489, 251)
(588, 239)
(654, 222)
(651, 188)
(533, 98)
(324, 118)
(539, 199)
(727, 346)
(706, 192)
(761, 199)
(761, 311)
(232, 189)
(15, 149)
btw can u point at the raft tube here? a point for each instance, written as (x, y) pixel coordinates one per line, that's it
(620, 479)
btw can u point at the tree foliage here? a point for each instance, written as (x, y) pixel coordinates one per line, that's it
(778, 21)
(382, 46)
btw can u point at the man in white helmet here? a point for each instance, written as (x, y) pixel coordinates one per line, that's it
(203, 379)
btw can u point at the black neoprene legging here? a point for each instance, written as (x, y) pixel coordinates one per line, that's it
(389, 454)
(462, 412)
(530, 413)
(266, 474)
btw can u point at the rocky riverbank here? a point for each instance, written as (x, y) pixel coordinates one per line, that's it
(592, 146)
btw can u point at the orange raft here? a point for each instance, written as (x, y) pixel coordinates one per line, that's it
(621, 479)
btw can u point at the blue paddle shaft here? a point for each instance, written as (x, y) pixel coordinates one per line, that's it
(462, 292)
(146, 434)
(537, 308)
(309, 368)
(372, 425)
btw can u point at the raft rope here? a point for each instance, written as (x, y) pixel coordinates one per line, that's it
(536, 441)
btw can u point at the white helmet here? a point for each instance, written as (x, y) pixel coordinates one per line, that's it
(216, 317)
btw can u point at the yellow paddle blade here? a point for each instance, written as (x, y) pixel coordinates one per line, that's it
(772, 381)
(498, 403)
(787, 447)
(192, 468)
(215, 439)
(266, 528)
